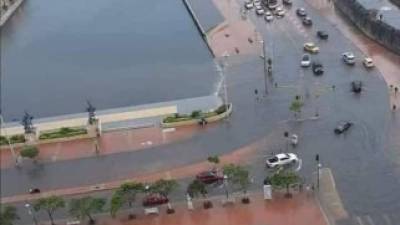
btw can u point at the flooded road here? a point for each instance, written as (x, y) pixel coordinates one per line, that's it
(56, 54)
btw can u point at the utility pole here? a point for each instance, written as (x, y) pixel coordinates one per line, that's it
(263, 56)
(8, 140)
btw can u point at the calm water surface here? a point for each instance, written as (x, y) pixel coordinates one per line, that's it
(56, 54)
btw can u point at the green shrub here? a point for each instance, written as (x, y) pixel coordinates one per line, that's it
(62, 133)
(221, 109)
(19, 138)
(29, 152)
(195, 114)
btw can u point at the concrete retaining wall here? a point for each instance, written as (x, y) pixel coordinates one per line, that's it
(367, 20)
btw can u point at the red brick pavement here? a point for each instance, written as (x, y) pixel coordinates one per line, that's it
(109, 143)
(300, 210)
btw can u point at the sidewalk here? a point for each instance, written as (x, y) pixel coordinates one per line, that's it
(299, 210)
(109, 143)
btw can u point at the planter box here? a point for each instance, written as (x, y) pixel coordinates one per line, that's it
(191, 122)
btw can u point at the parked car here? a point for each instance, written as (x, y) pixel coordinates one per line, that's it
(209, 177)
(322, 35)
(317, 68)
(349, 58)
(356, 86)
(342, 127)
(154, 199)
(249, 5)
(280, 12)
(301, 12)
(305, 60)
(281, 160)
(368, 63)
(260, 12)
(268, 16)
(311, 47)
(287, 2)
(307, 21)
(34, 190)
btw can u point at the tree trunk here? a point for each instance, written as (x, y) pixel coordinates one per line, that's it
(91, 220)
(51, 218)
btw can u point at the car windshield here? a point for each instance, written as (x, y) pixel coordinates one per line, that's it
(306, 57)
(273, 159)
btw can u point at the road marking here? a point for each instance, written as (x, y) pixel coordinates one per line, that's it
(359, 221)
(387, 219)
(369, 219)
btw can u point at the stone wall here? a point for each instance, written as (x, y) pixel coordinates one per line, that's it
(367, 20)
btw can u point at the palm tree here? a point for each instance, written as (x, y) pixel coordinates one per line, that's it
(197, 188)
(164, 188)
(8, 215)
(125, 194)
(50, 205)
(85, 207)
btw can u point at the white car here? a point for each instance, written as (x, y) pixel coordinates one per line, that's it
(368, 63)
(281, 159)
(349, 58)
(268, 16)
(260, 12)
(305, 60)
(279, 12)
(249, 5)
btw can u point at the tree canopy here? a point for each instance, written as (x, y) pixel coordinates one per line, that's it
(50, 205)
(8, 215)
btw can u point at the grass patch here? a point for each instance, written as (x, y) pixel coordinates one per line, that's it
(62, 133)
(197, 114)
(19, 138)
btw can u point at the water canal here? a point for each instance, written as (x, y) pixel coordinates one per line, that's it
(56, 54)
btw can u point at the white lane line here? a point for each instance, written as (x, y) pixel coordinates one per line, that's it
(369, 219)
(387, 219)
(359, 221)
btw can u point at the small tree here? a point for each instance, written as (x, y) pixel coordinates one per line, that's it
(85, 207)
(296, 106)
(29, 151)
(164, 188)
(125, 194)
(214, 160)
(283, 179)
(197, 188)
(8, 215)
(239, 177)
(50, 205)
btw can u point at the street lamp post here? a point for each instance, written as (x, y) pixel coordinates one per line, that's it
(226, 186)
(263, 56)
(31, 213)
(318, 169)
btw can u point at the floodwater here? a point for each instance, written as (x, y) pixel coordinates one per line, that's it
(56, 54)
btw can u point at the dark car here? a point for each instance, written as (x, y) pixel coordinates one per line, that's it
(307, 21)
(301, 12)
(317, 68)
(342, 127)
(287, 2)
(356, 86)
(209, 177)
(322, 34)
(154, 200)
(34, 191)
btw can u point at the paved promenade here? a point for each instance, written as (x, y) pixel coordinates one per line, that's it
(300, 210)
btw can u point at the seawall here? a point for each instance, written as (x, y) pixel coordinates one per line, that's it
(369, 22)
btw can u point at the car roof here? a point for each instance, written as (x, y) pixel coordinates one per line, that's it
(309, 43)
(282, 155)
